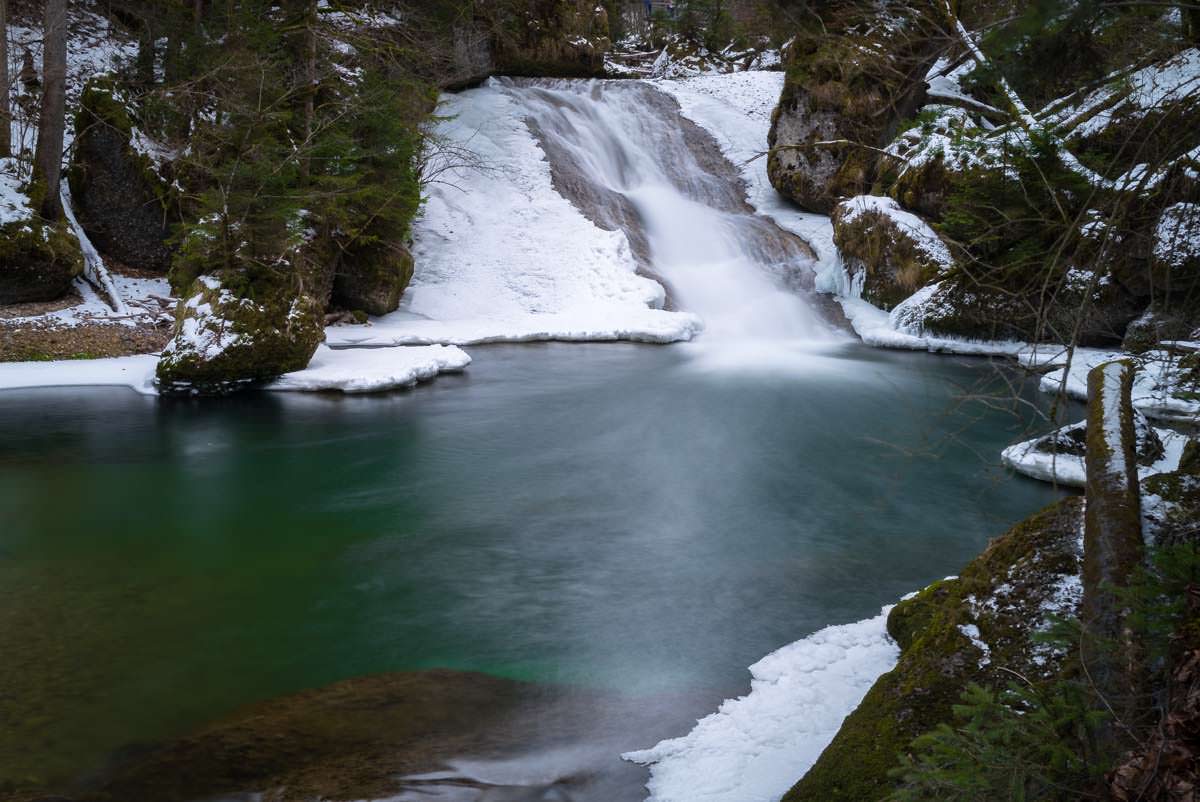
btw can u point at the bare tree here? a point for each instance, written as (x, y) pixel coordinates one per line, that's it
(47, 161)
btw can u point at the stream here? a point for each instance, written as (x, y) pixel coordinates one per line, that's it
(626, 523)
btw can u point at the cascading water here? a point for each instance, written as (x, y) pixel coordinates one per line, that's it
(625, 156)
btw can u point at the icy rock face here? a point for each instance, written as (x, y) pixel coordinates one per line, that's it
(38, 261)
(844, 84)
(117, 180)
(896, 251)
(223, 342)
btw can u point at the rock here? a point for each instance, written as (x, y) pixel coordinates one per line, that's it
(224, 339)
(561, 38)
(1175, 254)
(373, 279)
(38, 261)
(895, 251)
(954, 632)
(852, 74)
(122, 200)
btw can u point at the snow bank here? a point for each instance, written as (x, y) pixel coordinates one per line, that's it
(1177, 235)
(501, 256)
(135, 372)
(1161, 389)
(367, 370)
(1037, 458)
(372, 370)
(755, 747)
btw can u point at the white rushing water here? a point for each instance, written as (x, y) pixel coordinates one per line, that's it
(627, 145)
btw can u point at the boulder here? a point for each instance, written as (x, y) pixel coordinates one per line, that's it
(372, 279)
(38, 259)
(122, 199)
(560, 38)
(853, 73)
(963, 629)
(225, 339)
(894, 251)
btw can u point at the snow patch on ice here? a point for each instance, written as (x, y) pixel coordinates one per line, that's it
(372, 370)
(755, 747)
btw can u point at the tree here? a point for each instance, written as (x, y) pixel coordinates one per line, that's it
(5, 87)
(47, 161)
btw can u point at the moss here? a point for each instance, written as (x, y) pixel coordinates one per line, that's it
(1002, 592)
(894, 264)
(234, 332)
(38, 261)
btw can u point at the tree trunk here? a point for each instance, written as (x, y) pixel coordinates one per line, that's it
(1112, 547)
(310, 76)
(47, 161)
(5, 86)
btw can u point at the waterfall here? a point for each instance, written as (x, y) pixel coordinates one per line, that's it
(622, 153)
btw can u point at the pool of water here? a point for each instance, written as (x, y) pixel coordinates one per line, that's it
(626, 518)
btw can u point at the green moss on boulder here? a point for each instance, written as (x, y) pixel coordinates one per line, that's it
(38, 260)
(999, 597)
(853, 72)
(895, 252)
(227, 339)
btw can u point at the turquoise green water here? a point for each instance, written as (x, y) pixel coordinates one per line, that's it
(611, 516)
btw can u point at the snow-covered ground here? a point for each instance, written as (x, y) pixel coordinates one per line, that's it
(501, 256)
(1158, 385)
(349, 371)
(755, 747)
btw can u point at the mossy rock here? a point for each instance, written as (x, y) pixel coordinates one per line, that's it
(851, 77)
(1004, 593)
(896, 252)
(123, 200)
(226, 339)
(38, 261)
(557, 38)
(373, 279)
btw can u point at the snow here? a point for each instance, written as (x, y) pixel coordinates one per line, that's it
(971, 633)
(502, 257)
(755, 747)
(372, 370)
(1177, 235)
(883, 330)
(1160, 386)
(923, 237)
(1063, 468)
(356, 371)
(1134, 95)
(135, 372)
(14, 204)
